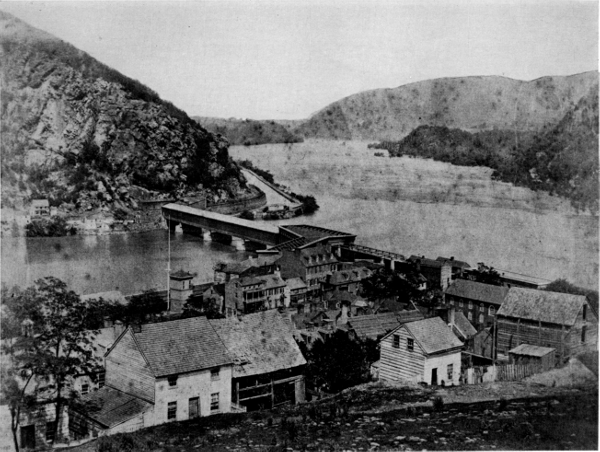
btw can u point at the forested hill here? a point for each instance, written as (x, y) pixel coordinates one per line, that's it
(248, 131)
(560, 159)
(467, 103)
(87, 137)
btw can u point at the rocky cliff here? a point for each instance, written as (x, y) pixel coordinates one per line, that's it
(249, 132)
(467, 103)
(88, 138)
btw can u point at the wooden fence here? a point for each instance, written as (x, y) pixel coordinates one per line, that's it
(507, 372)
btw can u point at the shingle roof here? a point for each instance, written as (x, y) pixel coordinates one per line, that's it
(259, 343)
(542, 305)
(181, 346)
(433, 335)
(115, 407)
(477, 291)
(463, 325)
(531, 350)
(454, 262)
(295, 283)
(375, 325)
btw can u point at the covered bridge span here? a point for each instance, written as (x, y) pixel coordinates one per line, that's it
(190, 217)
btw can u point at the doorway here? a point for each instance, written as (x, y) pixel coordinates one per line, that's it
(434, 380)
(194, 407)
(28, 437)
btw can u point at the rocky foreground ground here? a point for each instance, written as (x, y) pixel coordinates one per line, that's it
(551, 414)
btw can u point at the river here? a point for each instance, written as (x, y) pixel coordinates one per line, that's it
(405, 205)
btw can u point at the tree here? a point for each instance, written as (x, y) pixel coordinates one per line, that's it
(564, 286)
(144, 306)
(54, 346)
(339, 362)
(384, 284)
(486, 275)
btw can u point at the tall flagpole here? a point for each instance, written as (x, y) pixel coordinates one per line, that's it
(169, 264)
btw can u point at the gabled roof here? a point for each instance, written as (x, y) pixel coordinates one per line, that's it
(259, 343)
(462, 324)
(348, 276)
(531, 350)
(432, 335)
(295, 283)
(454, 262)
(477, 291)
(115, 407)
(426, 262)
(542, 305)
(181, 346)
(375, 325)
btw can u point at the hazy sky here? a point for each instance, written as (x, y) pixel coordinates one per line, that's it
(288, 59)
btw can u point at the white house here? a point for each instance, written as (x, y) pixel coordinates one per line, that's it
(156, 373)
(422, 351)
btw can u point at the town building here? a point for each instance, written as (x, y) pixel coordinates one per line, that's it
(268, 368)
(345, 280)
(421, 351)
(157, 373)
(40, 208)
(377, 325)
(458, 268)
(253, 266)
(561, 321)
(254, 293)
(479, 302)
(544, 357)
(438, 273)
(297, 291)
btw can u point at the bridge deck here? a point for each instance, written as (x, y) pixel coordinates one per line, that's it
(375, 252)
(219, 217)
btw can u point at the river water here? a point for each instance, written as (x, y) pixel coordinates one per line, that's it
(407, 206)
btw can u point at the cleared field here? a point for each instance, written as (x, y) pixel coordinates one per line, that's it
(434, 208)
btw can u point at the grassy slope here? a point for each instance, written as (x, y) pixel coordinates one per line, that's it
(469, 103)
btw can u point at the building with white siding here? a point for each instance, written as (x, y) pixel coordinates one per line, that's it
(421, 351)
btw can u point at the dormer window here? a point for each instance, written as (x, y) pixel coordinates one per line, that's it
(214, 374)
(172, 381)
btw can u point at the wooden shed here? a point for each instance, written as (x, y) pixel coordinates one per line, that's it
(533, 354)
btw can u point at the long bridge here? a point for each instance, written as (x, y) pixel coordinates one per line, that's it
(221, 226)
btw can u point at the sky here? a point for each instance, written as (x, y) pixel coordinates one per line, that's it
(287, 59)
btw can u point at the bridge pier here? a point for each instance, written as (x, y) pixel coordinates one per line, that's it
(171, 225)
(192, 230)
(206, 236)
(238, 243)
(221, 238)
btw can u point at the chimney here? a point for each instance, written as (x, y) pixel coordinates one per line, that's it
(118, 328)
(451, 258)
(344, 315)
(136, 327)
(451, 313)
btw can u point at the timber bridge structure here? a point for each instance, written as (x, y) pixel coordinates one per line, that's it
(272, 239)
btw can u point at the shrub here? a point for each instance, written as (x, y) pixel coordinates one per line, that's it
(438, 403)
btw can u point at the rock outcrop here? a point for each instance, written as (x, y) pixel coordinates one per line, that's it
(89, 138)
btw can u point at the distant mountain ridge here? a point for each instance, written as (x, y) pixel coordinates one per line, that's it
(467, 103)
(249, 131)
(87, 137)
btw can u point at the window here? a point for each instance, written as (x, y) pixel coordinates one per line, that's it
(470, 305)
(480, 318)
(460, 304)
(470, 315)
(101, 379)
(583, 334)
(492, 310)
(410, 344)
(214, 374)
(481, 308)
(172, 381)
(450, 372)
(85, 388)
(49, 432)
(194, 407)
(396, 342)
(451, 301)
(584, 311)
(172, 411)
(214, 402)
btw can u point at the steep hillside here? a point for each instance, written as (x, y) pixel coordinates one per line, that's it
(560, 158)
(88, 138)
(468, 103)
(247, 131)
